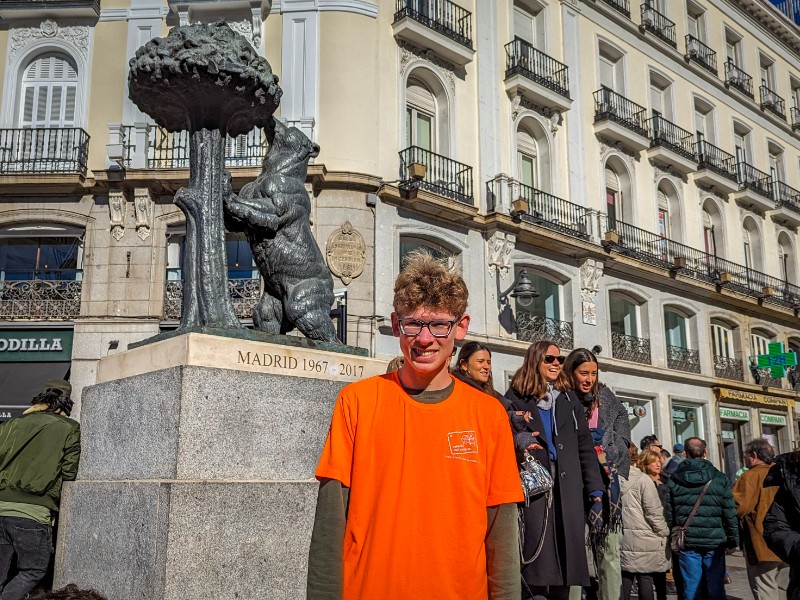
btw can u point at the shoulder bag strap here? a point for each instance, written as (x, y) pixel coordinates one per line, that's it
(697, 504)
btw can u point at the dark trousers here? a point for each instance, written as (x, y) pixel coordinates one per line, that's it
(643, 580)
(551, 592)
(32, 542)
(660, 582)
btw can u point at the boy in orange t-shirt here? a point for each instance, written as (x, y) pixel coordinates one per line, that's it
(418, 478)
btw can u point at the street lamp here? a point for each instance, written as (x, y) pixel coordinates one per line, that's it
(521, 290)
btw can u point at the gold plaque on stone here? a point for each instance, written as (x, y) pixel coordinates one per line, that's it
(346, 253)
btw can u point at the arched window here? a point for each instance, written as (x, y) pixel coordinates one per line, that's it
(49, 91)
(786, 259)
(625, 314)
(410, 243)
(617, 191)
(751, 245)
(759, 341)
(240, 261)
(724, 346)
(675, 328)
(669, 218)
(713, 240)
(420, 115)
(679, 337)
(533, 155)
(629, 340)
(540, 318)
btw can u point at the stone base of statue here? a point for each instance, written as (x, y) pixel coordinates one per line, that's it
(196, 476)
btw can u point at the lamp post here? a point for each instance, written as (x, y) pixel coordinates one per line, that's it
(521, 290)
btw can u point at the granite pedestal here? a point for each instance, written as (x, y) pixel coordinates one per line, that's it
(196, 481)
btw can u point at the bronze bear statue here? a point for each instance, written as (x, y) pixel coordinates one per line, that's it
(273, 211)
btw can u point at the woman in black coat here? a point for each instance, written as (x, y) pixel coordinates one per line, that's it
(552, 427)
(474, 367)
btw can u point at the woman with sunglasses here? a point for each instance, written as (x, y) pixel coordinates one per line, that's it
(611, 434)
(474, 367)
(552, 427)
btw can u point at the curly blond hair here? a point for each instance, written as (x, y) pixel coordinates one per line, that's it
(426, 281)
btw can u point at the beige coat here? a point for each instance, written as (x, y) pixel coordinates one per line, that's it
(645, 547)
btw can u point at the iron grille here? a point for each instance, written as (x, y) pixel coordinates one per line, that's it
(533, 328)
(658, 24)
(44, 150)
(728, 368)
(448, 18)
(52, 299)
(244, 293)
(442, 175)
(667, 134)
(630, 348)
(523, 59)
(613, 106)
(683, 359)
(698, 52)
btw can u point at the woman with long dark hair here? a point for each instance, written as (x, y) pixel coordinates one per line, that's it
(611, 434)
(474, 367)
(552, 427)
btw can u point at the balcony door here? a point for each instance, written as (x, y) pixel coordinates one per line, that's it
(722, 341)
(420, 116)
(49, 90)
(624, 316)
(675, 329)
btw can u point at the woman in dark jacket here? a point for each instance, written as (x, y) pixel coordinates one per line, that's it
(552, 427)
(611, 431)
(782, 521)
(474, 367)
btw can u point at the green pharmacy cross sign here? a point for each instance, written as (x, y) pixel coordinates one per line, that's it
(776, 361)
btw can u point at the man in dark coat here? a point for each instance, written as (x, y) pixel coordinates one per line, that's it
(782, 521)
(714, 527)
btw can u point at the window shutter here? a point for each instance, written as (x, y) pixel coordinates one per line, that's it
(50, 90)
(612, 181)
(420, 97)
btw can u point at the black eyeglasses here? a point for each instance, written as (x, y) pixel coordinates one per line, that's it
(438, 328)
(549, 358)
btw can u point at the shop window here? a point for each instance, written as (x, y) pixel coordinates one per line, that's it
(687, 422)
(774, 429)
(640, 414)
(43, 252)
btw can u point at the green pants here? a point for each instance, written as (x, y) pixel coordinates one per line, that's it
(609, 570)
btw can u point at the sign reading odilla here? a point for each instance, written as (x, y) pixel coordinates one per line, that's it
(37, 345)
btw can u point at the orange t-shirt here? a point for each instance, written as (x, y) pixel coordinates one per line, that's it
(421, 477)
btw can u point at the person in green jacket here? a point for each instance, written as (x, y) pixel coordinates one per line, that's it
(39, 450)
(714, 527)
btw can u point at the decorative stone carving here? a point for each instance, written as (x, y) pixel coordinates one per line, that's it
(117, 209)
(76, 35)
(499, 248)
(590, 273)
(519, 104)
(346, 253)
(143, 209)
(446, 70)
(607, 147)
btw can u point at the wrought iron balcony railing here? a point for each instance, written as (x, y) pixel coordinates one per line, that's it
(683, 359)
(771, 102)
(523, 59)
(51, 295)
(448, 18)
(715, 159)
(533, 328)
(420, 168)
(621, 6)
(668, 254)
(786, 196)
(795, 116)
(245, 295)
(630, 348)
(658, 24)
(738, 79)
(548, 211)
(728, 368)
(44, 150)
(171, 150)
(612, 106)
(698, 52)
(753, 179)
(667, 134)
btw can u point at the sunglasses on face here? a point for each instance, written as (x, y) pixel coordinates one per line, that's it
(549, 358)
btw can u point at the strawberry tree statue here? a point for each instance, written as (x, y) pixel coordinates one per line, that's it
(207, 80)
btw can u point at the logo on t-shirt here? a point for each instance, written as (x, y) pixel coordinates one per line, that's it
(463, 442)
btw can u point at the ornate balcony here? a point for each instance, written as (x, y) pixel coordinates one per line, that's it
(41, 9)
(755, 187)
(738, 79)
(423, 169)
(539, 78)
(438, 25)
(771, 102)
(620, 120)
(658, 24)
(787, 208)
(671, 145)
(678, 258)
(53, 295)
(683, 359)
(715, 167)
(546, 210)
(621, 6)
(728, 368)
(630, 348)
(698, 52)
(532, 328)
(244, 293)
(44, 150)
(171, 150)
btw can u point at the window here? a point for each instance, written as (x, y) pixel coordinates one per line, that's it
(775, 163)
(759, 342)
(695, 19)
(660, 99)
(767, 71)
(741, 142)
(703, 120)
(675, 329)
(529, 24)
(687, 422)
(420, 115)
(795, 97)
(49, 90)
(786, 261)
(617, 191)
(733, 48)
(668, 212)
(624, 315)
(533, 155)
(722, 340)
(548, 303)
(410, 243)
(526, 156)
(712, 226)
(240, 261)
(48, 252)
(610, 65)
(751, 242)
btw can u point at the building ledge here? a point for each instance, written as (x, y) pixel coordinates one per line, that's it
(422, 36)
(536, 93)
(428, 203)
(617, 132)
(46, 183)
(711, 179)
(666, 157)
